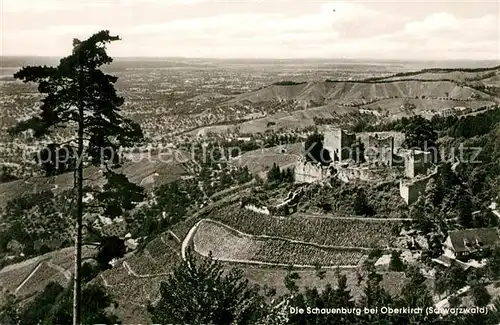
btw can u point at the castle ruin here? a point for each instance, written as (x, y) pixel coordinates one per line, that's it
(382, 164)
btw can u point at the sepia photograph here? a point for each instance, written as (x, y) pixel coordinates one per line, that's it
(241, 162)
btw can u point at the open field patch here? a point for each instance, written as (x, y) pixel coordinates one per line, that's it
(261, 160)
(37, 281)
(31, 276)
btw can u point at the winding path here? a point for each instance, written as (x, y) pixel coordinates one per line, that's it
(188, 239)
(131, 271)
(28, 277)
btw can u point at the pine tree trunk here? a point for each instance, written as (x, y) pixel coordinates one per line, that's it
(77, 290)
(78, 249)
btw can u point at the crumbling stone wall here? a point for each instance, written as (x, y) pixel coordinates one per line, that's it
(309, 172)
(369, 174)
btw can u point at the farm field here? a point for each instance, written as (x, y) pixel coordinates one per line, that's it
(228, 245)
(157, 248)
(39, 279)
(181, 229)
(137, 172)
(294, 119)
(11, 278)
(13, 275)
(131, 292)
(136, 290)
(492, 81)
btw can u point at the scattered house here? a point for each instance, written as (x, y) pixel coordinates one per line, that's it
(447, 112)
(131, 243)
(494, 209)
(461, 109)
(470, 243)
(383, 262)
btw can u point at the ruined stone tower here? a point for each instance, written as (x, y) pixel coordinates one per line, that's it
(416, 163)
(338, 143)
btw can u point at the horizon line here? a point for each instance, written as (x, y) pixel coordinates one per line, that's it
(261, 59)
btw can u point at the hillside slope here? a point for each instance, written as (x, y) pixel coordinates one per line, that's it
(359, 92)
(457, 75)
(146, 171)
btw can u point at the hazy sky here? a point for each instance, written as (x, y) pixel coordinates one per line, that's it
(257, 28)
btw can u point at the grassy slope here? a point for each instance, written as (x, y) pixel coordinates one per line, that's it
(261, 160)
(356, 92)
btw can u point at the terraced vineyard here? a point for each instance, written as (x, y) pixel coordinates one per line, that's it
(65, 257)
(228, 245)
(39, 279)
(39, 271)
(160, 258)
(181, 229)
(128, 288)
(158, 249)
(322, 231)
(11, 278)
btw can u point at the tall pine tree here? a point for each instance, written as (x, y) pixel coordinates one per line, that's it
(81, 98)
